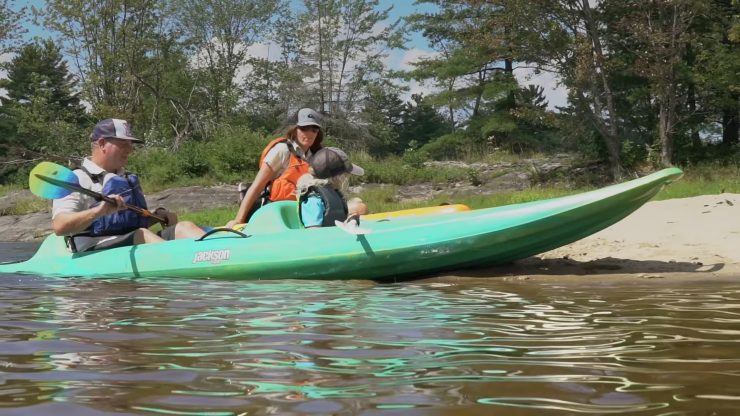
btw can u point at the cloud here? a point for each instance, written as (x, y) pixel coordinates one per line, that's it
(4, 57)
(557, 95)
(262, 50)
(415, 55)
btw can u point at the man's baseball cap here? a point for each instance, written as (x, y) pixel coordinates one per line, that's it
(330, 161)
(308, 117)
(113, 128)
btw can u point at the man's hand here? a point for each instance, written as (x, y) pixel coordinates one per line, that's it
(69, 223)
(107, 208)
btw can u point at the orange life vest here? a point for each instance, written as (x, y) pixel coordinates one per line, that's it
(284, 186)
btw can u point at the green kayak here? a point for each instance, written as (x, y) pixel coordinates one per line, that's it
(275, 246)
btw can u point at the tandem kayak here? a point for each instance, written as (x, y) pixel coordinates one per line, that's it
(274, 244)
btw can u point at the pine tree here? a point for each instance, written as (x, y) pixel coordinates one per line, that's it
(42, 115)
(480, 44)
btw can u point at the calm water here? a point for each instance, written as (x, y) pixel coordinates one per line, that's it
(434, 347)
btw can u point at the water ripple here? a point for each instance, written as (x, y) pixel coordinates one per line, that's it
(288, 347)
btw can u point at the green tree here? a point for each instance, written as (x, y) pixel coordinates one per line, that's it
(11, 26)
(578, 53)
(171, 109)
(340, 47)
(220, 33)
(42, 116)
(661, 32)
(420, 123)
(382, 113)
(480, 44)
(715, 68)
(107, 41)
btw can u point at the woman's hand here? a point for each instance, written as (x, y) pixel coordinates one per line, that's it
(255, 189)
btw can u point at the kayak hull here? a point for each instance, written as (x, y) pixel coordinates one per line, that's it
(277, 247)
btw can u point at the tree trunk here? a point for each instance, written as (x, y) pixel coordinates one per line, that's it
(665, 136)
(610, 131)
(731, 125)
(691, 104)
(322, 96)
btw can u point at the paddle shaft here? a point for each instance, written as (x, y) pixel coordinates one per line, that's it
(100, 197)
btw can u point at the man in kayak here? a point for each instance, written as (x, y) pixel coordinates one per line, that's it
(321, 190)
(93, 225)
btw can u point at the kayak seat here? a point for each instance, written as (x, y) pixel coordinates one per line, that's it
(274, 217)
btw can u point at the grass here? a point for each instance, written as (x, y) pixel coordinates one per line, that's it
(26, 206)
(697, 180)
(213, 217)
(6, 189)
(704, 180)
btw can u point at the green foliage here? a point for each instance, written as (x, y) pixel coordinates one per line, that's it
(222, 32)
(212, 217)
(174, 70)
(156, 167)
(474, 177)
(634, 154)
(420, 123)
(230, 156)
(11, 25)
(415, 158)
(705, 179)
(234, 155)
(398, 171)
(41, 116)
(453, 146)
(383, 112)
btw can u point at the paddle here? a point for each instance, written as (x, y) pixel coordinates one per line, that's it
(51, 181)
(352, 227)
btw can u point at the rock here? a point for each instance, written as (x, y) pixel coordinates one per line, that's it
(8, 201)
(27, 227)
(491, 178)
(195, 198)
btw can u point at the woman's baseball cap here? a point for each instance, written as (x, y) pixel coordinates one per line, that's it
(308, 117)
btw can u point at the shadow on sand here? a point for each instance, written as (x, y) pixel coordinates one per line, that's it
(605, 266)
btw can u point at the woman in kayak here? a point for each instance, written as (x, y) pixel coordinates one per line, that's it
(282, 163)
(321, 190)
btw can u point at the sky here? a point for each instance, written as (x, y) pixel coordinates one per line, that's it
(417, 48)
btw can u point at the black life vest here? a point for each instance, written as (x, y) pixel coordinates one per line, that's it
(335, 207)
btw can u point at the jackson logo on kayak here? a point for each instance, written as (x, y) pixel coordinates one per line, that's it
(211, 256)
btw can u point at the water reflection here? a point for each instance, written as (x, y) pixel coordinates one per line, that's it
(462, 347)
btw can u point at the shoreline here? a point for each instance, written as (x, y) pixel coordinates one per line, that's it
(685, 239)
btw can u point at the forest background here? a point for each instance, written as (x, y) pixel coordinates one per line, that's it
(649, 83)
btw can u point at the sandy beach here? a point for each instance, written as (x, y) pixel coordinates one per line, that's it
(694, 238)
